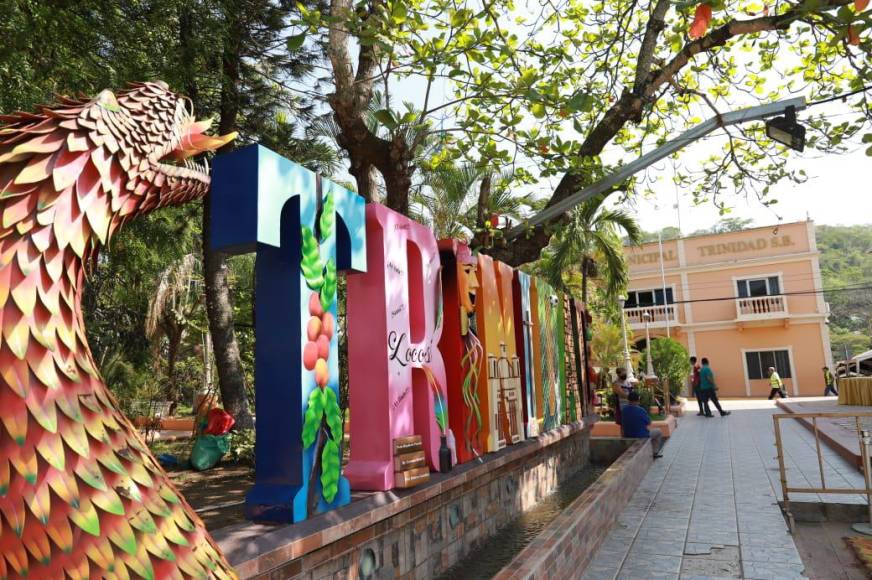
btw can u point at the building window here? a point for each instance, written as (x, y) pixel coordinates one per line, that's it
(646, 298)
(754, 287)
(760, 361)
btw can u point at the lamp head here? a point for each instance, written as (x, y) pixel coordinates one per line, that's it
(786, 130)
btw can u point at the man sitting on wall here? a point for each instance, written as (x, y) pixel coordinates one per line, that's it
(635, 421)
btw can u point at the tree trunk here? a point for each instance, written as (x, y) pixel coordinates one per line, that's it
(587, 389)
(174, 338)
(312, 497)
(219, 306)
(484, 192)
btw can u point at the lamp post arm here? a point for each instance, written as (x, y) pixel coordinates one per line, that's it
(693, 134)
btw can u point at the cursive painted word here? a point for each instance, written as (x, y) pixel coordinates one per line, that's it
(402, 396)
(408, 355)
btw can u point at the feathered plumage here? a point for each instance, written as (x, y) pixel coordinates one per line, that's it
(79, 491)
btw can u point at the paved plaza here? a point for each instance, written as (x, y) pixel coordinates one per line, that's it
(708, 508)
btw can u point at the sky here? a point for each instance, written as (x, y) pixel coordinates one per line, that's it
(838, 192)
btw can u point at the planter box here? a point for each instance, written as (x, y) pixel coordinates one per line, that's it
(168, 423)
(177, 424)
(612, 429)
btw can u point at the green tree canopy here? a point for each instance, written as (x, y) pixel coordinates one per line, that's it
(573, 90)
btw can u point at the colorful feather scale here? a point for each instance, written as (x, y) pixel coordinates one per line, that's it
(81, 496)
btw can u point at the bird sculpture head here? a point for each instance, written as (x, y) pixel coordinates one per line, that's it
(80, 492)
(83, 167)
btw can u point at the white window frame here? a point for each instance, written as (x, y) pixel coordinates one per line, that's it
(652, 290)
(793, 376)
(765, 278)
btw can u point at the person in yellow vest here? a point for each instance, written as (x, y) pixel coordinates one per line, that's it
(776, 385)
(829, 382)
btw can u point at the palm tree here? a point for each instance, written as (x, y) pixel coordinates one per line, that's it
(444, 197)
(171, 311)
(455, 200)
(591, 244)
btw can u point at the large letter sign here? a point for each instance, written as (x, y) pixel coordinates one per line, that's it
(461, 349)
(396, 373)
(304, 229)
(548, 318)
(524, 341)
(501, 384)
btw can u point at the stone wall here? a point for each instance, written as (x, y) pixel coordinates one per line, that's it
(566, 546)
(415, 533)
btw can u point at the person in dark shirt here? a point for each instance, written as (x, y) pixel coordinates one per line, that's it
(694, 384)
(635, 421)
(709, 389)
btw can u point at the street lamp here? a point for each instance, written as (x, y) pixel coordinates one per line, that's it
(649, 371)
(628, 362)
(786, 130)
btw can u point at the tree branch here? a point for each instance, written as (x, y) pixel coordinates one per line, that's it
(630, 106)
(655, 26)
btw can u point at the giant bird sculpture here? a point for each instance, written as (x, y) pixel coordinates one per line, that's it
(80, 494)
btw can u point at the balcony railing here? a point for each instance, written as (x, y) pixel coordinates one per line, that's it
(761, 307)
(659, 315)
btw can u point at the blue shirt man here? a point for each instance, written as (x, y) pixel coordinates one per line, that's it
(635, 421)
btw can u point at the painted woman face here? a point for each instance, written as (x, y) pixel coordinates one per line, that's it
(468, 287)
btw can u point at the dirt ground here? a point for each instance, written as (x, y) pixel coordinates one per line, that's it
(825, 553)
(217, 494)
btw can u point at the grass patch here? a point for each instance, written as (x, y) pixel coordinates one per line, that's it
(180, 448)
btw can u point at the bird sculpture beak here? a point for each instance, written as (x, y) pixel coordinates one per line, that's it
(195, 140)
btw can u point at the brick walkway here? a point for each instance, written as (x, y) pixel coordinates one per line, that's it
(709, 508)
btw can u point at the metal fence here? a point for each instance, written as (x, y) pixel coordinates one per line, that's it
(863, 438)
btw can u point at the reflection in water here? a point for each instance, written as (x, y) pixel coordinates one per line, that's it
(495, 553)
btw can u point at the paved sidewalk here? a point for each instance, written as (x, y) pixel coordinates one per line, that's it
(709, 507)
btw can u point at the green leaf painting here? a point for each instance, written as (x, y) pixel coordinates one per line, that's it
(330, 470)
(328, 218)
(312, 420)
(310, 263)
(328, 289)
(334, 415)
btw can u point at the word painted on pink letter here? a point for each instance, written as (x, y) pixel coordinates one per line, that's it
(396, 371)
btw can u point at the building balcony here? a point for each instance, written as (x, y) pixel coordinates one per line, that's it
(761, 308)
(659, 316)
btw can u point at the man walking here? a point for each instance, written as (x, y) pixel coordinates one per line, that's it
(776, 385)
(830, 382)
(694, 384)
(636, 421)
(709, 390)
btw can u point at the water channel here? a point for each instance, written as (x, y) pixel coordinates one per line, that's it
(496, 552)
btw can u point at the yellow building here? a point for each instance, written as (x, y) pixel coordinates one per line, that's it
(746, 300)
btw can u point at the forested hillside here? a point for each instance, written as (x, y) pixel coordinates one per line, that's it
(846, 265)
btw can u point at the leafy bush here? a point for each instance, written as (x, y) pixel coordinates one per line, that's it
(242, 446)
(607, 344)
(671, 362)
(646, 398)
